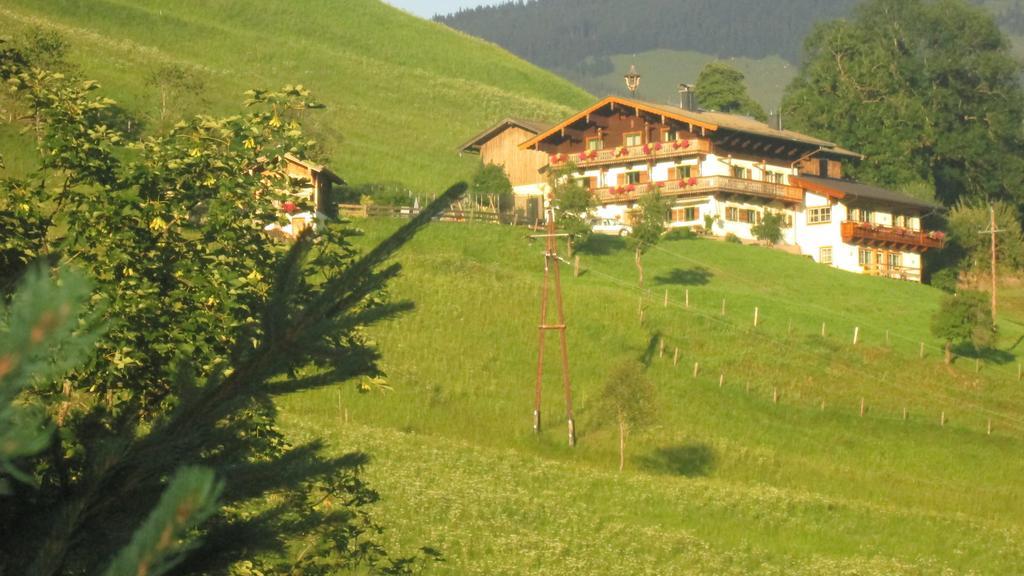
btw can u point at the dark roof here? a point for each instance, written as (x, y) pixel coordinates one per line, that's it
(532, 126)
(316, 168)
(858, 191)
(713, 121)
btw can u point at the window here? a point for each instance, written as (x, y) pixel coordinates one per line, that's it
(900, 221)
(864, 257)
(668, 135)
(632, 177)
(686, 214)
(860, 215)
(749, 216)
(822, 215)
(739, 172)
(774, 177)
(825, 254)
(732, 214)
(632, 139)
(595, 143)
(684, 172)
(894, 260)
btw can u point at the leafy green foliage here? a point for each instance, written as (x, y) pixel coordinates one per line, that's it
(162, 541)
(967, 223)
(490, 179)
(769, 229)
(720, 87)
(649, 224)
(628, 400)
(948, 111)
(572, 203)
(964, 318)
(206, 318)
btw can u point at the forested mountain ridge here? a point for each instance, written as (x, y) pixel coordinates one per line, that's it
(582, 34)
(592, 42)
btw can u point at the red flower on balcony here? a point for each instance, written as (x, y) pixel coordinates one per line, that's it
(647, 149)
(684, 144)
(692, 181)
(623, 151)
(583, 156)
(288, 207)
(682, 183)
(553, 159)
(593, 154)
(657, 145)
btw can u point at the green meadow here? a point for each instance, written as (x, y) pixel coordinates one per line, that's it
(725, 480)
(401, 93)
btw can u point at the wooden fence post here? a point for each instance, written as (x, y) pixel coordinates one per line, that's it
(822, 404)
(661, 348)
(696, 369)
(721, 380)
(576, 267)
(904, 413)
(989, 426)
(665, 304)
(775, 395)
(977, 365)
(687, 297)
(887, 338)
(723, 306)
(922, 350)
(856, 334)
(822, 329)
(942, 419)
(861, 406)
(675, 357)
(757, 312)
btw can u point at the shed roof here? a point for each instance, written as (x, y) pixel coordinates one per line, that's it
(315, 168)
(532, 126)
(850, 189)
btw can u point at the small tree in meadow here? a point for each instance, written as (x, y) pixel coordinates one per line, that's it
(648, 227)
(491, 179)
(573, 203)
(628, 400)
(964, 318)
(769, 229)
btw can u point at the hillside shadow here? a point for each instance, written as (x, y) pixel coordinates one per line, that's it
(696, 276)
(690, 460)
(602, 245)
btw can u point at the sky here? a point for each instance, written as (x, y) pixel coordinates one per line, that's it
(428, 8)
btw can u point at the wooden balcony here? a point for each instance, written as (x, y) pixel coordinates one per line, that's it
(632, 154)
(897, 272)
(703, 186)
(891, 237)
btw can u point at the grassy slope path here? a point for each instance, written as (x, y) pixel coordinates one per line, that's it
(726, 481)
(401, 92)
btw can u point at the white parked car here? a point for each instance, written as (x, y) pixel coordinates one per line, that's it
(609, 226)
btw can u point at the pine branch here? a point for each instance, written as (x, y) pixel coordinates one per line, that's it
(163, 539)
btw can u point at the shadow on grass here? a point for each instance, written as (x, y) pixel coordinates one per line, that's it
(691, 460)
(696, 276)
(990, 355)
(602, 245)
(652, 348)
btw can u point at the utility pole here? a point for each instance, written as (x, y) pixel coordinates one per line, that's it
(551, 275)
(993, 231)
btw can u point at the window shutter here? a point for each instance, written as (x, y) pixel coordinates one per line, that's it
(593, 182)
(645, 177)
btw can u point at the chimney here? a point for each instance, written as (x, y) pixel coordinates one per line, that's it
(687, 97)
(775, 120)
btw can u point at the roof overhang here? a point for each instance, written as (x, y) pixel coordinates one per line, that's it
(612, 101)
(315, 168)
(473, 144)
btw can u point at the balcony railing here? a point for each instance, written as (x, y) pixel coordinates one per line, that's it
(898, 272)
(623, 154)
(863, 232)
(702, 185)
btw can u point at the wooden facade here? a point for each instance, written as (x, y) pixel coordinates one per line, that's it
(521, 166)
(499, 145)
(321, 181)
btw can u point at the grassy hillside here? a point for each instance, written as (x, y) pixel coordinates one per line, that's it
(726, 481)
(401, 92)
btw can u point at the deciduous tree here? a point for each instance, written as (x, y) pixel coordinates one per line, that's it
(721, 87)
(648, 226)
(628, 400)
(964, 318)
